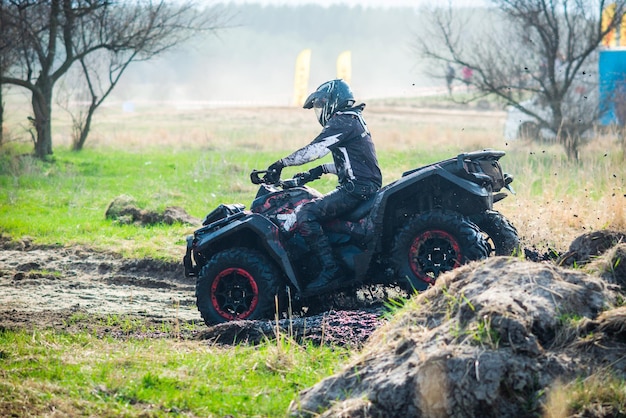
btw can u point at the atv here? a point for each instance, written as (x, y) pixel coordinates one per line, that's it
(247, 263)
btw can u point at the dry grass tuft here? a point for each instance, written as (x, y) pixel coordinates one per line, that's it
(600, 395)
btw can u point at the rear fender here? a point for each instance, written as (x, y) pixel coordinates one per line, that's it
(412, 194)
(464, 184)
(252, 230)
(404, 186)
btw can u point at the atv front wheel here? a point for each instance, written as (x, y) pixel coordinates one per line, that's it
(500, 232)
(238, 283)
(431, 244)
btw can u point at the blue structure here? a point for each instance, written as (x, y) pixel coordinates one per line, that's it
(612, 72)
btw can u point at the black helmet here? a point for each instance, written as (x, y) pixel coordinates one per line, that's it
(330, 97)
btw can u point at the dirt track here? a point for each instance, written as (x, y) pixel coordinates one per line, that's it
(78, 289)
(48, 287)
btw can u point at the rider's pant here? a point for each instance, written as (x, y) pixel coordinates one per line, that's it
(329, 206)
(340, 201)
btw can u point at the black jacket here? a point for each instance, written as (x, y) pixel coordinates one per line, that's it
(354, 155)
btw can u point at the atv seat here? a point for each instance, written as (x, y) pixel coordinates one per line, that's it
(360, 212)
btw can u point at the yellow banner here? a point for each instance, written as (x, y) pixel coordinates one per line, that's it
(607, 18)
(301, 79)
(622, 31)
(344, 66)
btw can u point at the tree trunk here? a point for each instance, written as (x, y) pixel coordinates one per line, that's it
(571, 142)
(566, 136)
(42, 109)
(1, 117)
(84, 129)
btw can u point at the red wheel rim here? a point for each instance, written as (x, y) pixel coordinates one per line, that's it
(234, 294)
(434, 252)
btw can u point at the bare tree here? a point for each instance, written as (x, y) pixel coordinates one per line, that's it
(544, 49)
(4, 49)
(57, 34)
(8, 56)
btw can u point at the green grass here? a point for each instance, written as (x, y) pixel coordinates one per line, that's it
(63, 201)
(602, 394)
(544, 169)
(198, 160)
(79, 374)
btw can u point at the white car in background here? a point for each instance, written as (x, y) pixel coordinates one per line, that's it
(520, 125)
(581, 103)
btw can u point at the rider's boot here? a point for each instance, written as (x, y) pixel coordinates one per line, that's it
(330, 270)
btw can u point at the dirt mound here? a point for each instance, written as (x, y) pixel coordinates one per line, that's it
(589, 246)
(490, 339)
(611, 265)
(124, 210)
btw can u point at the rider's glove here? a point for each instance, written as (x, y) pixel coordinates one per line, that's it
(317, 172)
(273, 172)
(312, 174)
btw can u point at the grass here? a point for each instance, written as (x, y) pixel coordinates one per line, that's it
(197, 159)
(601, 394)
(52, 373)
(200, 158)
(64, 202)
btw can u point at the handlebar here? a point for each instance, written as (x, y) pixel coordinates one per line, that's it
(285, 184)
(254, 176)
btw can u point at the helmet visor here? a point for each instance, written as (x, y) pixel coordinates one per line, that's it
(319, 106)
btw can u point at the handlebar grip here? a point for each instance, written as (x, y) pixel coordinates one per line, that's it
(254, 176)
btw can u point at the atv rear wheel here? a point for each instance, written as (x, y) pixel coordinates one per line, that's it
(238, 283)
(431, 244)
(500, 232)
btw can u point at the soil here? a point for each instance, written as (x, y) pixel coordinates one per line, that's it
(487, 338)
(80, 289)
(502, 337)
(77, 289)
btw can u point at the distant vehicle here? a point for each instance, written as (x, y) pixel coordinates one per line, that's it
(581, 105)
(520, 125)
(595, 99)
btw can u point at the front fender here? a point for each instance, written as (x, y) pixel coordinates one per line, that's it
(253, 231)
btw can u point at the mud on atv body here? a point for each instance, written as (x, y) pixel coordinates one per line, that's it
(431, 220)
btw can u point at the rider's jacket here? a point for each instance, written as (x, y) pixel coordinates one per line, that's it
(347, 137)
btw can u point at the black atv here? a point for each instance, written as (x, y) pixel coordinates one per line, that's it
(432, 220)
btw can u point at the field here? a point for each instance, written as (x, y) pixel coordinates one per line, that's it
(129, 347)
(198, 158)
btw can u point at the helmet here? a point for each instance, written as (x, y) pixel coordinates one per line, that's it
(330, 97)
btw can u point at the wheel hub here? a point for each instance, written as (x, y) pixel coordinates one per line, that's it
(234, 294)
(432, 253)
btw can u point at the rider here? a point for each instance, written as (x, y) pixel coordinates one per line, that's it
(346, 136)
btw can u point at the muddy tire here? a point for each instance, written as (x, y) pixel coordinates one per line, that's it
(431, 244)
(238, 283)
(499, 232)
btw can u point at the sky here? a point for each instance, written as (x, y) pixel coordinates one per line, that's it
(369, 3)
(255, 59)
